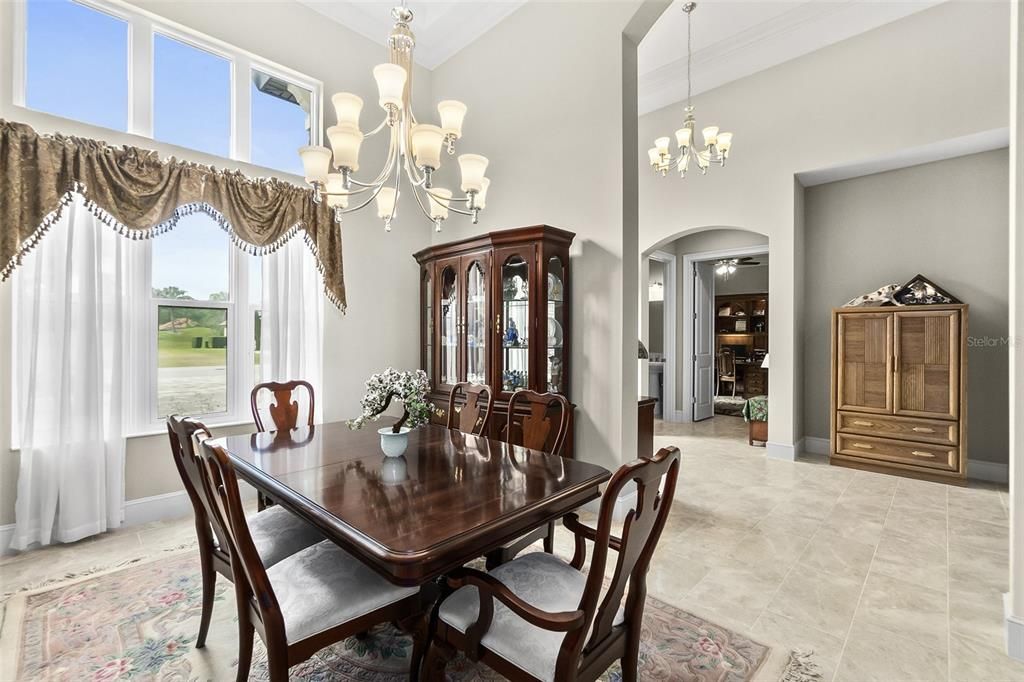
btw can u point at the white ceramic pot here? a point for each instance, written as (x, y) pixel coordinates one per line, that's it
(394, 444)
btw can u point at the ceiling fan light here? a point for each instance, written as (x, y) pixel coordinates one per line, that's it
(390, 84)
(452, 113)
(347, 107)
(426, 145)
(473, 167)
(316, 161)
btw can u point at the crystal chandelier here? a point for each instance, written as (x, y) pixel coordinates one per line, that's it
(716, 144)
(414, 148)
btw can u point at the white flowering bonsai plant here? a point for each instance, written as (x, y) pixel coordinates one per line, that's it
(409, 388)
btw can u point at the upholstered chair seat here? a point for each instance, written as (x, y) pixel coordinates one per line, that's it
(278, 534)
(323, 585)
(541, 580)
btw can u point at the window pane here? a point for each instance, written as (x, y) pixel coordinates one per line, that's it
(192, 352)
(191, 261)
(191, 97)
(280, 122)
(77, 63)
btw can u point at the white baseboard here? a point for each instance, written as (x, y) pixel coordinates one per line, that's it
(980, 470)
(814, 445)
(6, 534)
(624, 504)
(1014, 631)
(156, 508)
(781, 451)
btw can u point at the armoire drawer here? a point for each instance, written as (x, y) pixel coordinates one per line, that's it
(932, 456)
(921, 430)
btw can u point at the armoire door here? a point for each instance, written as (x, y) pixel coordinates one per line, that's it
(928, 363)
(864, 381)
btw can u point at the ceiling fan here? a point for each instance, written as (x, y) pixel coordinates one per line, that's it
(727, 266)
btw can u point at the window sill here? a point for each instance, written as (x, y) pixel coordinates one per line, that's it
(162, 431)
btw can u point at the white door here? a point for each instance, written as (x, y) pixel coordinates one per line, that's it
(703, 340)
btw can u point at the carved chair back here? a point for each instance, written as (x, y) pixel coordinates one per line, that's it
(726, 363)
(475, 414)
(183, 433)
(252, 585)
(284, 411)
(543, 426)
(655, 481)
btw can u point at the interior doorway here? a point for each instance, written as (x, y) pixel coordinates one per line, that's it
(727, 319)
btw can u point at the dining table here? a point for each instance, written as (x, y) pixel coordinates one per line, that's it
(449, 499)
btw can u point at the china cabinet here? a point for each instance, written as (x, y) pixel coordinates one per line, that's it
(495, 310)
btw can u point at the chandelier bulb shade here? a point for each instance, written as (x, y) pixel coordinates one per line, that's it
(413, 148)
(473, 167)
(452, 113)
(347, 108)
(316, 162)
(345, 143)
(716, 144)
(390, 84)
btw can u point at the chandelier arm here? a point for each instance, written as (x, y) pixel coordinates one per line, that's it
(394, 204)
(385, 172)
(442, 200)
(376, 130)
(377, 188)
(420, 202)
(366, 203)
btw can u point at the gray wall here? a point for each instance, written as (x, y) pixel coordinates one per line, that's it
(750, 279)
(946, 220)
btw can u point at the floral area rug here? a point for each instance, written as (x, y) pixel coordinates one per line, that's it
(140, 623)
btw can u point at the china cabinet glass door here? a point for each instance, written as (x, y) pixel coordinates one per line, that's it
(475, 320)
(428, 326)
(556, 323)
(516, 280)
(448, 355)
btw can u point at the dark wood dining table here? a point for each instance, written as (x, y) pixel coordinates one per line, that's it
(449, 499)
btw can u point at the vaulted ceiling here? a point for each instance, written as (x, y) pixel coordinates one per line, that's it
(732, 38)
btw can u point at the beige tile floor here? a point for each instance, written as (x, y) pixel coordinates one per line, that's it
(883, 578)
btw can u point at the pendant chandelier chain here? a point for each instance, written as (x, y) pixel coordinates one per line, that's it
(689, 58)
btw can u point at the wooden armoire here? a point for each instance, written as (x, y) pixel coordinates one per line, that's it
(899, 388)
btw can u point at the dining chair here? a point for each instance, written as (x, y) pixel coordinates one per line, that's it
(542, 423)
(553, 621)
(276, 532)
(284, 412)
(726, 370)
(310, 600)
(472, 417)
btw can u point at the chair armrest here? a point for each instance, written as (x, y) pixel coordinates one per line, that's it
(572, 523)
(490, 588)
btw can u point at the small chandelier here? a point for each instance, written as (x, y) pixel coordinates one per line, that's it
(716, 144)
(414, 148)
(726, 267)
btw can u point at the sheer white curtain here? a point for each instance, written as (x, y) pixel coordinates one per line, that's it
(291, 337)
(72, 303)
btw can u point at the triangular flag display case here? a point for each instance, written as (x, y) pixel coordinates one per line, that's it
(922, 291)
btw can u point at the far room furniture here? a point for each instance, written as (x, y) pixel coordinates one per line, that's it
(475, 407)
(532, 419)
(276, 532)
(755, 412)
(284, 411)
(540, 618)
(451, 498)
(496, 310)
(310, 600)
(899, 390)
(645, 425)
(726, 370)
(741, 325)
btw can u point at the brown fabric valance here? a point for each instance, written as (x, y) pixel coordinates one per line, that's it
(141, 196)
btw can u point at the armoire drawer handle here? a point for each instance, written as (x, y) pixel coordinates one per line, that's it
(923, 429)
(922, 453)
(861, 422)
(864, 446)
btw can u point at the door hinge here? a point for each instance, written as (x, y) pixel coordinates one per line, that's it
(693, 400)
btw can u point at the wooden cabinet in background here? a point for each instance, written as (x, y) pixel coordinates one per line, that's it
(495, 310)
(899, 390)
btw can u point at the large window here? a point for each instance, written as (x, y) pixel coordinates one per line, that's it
(76, 63)
(205, 323)
(201, 93)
